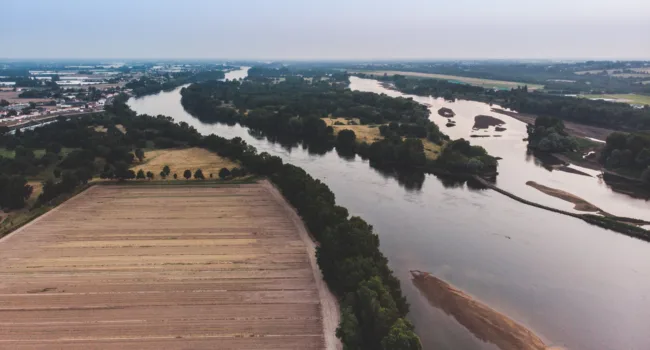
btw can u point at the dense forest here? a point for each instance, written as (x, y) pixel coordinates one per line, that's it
(293, 109)
(618, 116)
(372, 304)
(548, 135)
(628, 154)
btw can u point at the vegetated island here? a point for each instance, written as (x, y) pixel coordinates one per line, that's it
(484, 322)
(486, 121)
(446, 112)
(295, 109)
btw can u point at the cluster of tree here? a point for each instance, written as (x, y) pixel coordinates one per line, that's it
(34, 94)
(150, 85)
(292, 110)
(89, 152)
(14, 191)
(548, 135)
(460, 156)
(629, 153)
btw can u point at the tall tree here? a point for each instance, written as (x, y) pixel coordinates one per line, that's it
(187, 174)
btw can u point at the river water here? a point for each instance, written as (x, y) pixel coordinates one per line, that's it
(576, 285)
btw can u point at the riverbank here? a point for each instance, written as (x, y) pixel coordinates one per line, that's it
(484, 322)
(619, 224)
(574, 129)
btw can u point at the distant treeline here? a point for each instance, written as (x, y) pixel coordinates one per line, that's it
(556, 77)
(151, 85)
(620, 116)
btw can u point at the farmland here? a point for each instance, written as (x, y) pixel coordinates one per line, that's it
(148, 267)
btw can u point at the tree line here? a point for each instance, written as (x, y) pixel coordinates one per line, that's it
(613, 115)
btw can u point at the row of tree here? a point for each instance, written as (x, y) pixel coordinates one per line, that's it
(372, 305)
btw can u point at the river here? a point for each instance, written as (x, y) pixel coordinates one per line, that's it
(576, 285)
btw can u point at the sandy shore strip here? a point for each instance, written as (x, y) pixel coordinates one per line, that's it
(484, 322)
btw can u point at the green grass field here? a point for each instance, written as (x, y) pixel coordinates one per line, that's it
(629, 98)
(485, 83)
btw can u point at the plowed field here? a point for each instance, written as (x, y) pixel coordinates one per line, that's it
(161, 267)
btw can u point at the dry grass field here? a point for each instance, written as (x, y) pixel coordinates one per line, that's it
(364, 133)
(186, 158)
(164, 267)
(370, 134)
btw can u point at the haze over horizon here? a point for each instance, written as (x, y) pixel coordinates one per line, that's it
(327, 30)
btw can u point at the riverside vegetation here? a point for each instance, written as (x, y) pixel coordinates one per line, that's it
(291, 111)
(373, 308)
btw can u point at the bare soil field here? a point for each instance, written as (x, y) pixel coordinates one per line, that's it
(164, 267)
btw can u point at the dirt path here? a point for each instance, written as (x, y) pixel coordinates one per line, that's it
(330, 306)
(484, 322)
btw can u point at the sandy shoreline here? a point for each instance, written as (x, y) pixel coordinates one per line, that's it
(484, 322)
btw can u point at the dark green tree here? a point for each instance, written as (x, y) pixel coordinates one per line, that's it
(198, 174)
(224, 173)
(139, 153)
(166, 170)
(187, 174)
(401, 337)
(150, 175)
(140, 174)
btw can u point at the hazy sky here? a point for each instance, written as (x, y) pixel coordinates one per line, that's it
(325, 29)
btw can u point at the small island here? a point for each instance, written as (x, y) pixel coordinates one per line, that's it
(446, 112)
(486, 121)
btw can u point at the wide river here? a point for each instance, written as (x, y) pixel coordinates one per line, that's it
(576, 285)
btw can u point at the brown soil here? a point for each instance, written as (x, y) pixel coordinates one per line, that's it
(484, 322)
(580, 204)
(574, 129)
(485, 121)
(164, 267)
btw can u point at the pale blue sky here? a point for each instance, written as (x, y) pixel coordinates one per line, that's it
(332, 29)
